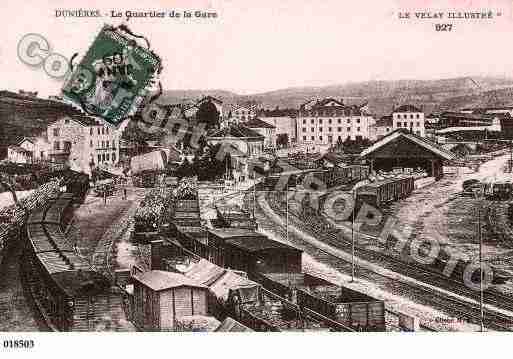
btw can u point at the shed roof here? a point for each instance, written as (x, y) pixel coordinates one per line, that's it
(422, 142)
(258, 244)
(257, 123)
(231, 325)
(162, 280)
(229, 233)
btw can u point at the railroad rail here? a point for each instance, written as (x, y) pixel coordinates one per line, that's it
(460, 307)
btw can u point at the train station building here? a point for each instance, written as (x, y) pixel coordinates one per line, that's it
(402, 149)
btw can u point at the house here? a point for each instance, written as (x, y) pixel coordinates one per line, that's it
(325, 121)
(161, 299)
(17, 154)
(383, 127)
(81, 142)
(284, 126)
(242, 144)
(242, 113)
(409, 117)
(265, 129)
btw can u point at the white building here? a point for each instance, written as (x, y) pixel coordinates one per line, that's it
(382, 127)
(82, 141)
(409, 117)
(283, 125)
(241, 113)
(325, 121)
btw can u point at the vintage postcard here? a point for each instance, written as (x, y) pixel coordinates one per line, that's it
(233, 166)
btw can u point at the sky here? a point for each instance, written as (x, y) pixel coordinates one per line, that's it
(258, 46)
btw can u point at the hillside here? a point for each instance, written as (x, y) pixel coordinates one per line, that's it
(381, 95)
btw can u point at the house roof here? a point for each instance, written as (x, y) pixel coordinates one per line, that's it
(162, 280)
(257, 123)
(18, 149)
(237, 131)
(80, 119)
(470, 116)
(401, 133)
(407, 108)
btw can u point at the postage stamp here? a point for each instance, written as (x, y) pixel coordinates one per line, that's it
(112, 79)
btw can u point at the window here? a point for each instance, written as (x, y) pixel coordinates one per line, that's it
(418, 116)
(66, 121)
(103, 156)
(417, 124)
(304, 122)
(348, 120)
(320, 129)
(312, 121)
(91, 143)
(113, 144)
(99, 158)
(107, 156)
(339, 129)
(304, 129)
(103, 130)
(320, 121)
(56, 132)
(313, 138)
(107, 130)
(304, 138)
(411, 116)
(358, 129)
(41, 154)
(357, 120)
(329, 121)
(91, 131)
(67, 146)
(339, 120)
(113, 156)
(405, 124)
(312, 129)
(329, 129)
(349, 129)
(98, 130)
(399, 116)
(103, 144)
(57, 145)
(320, 138)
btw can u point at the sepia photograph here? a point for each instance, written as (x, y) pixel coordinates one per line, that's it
(342, 169)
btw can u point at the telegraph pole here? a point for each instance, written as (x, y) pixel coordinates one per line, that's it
(352, 238)
(481, 307)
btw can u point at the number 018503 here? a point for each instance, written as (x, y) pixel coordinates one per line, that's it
(18, 344)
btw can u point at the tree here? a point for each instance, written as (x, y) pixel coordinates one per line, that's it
(208, 114)
(282, 140)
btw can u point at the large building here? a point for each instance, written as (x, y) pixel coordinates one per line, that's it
(284, 125)
(324, 122)
(409, 117)
(82, 142)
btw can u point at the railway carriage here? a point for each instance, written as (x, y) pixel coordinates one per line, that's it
(384, 191)
(59, 280)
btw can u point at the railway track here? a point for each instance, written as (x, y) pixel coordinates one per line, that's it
(458, 307)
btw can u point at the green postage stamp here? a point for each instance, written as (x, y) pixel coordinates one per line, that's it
(113, 77)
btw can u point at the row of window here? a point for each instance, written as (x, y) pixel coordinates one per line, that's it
(312, 121)
(405, 116)
(105, 144)
(330, 138)
(339, 129)
(327, 113)
(99, 130)
(66, 145)
(405, 124)
(106, 157)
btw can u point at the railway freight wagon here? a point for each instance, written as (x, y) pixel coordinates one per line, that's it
(383, 191)
(337, 176)
(61, 283)
(351, 309)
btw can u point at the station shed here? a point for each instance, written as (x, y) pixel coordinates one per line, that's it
(161, 298)
(407, 150)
